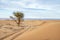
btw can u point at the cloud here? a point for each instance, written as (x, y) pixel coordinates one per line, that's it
(32, 8)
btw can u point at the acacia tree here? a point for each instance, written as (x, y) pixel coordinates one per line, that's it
(18, 16)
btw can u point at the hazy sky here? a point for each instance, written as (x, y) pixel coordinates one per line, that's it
(31, 8)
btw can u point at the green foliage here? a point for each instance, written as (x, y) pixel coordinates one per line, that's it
(18, 14)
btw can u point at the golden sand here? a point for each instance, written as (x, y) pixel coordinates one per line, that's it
(39, 30)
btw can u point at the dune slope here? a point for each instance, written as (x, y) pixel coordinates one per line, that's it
(46, 32)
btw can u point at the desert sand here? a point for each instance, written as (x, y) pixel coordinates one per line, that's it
(30, 30)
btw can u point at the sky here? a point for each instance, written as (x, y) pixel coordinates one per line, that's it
(31, 8)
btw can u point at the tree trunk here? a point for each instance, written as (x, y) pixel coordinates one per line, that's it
(18, 22)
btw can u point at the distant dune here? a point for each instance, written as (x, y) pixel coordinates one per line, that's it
(32, 19)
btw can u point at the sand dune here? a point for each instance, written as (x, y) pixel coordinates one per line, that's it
(49, 31)
(37, 30)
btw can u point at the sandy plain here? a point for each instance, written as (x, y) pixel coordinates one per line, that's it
(30, 30)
